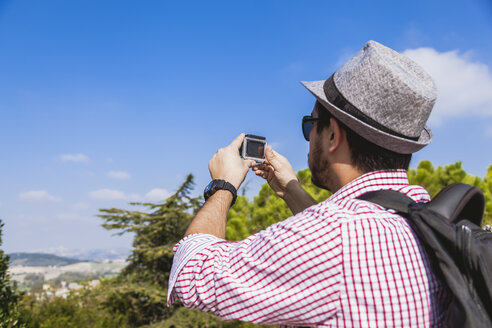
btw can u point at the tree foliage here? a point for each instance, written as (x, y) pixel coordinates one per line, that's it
(434, 179)
(486, 187)
(140, 291)
(83, 308)
(9, 297)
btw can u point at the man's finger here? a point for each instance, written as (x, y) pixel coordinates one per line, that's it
(238, 141)
(250, 163)
(262, 174)
(262, 166)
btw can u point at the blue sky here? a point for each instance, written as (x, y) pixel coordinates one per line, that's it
(105, 102)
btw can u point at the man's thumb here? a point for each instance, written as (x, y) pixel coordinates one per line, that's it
(271, 156)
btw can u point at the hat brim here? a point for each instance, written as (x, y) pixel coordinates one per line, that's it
(383, 139)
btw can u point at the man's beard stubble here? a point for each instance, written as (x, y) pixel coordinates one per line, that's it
(319, 166)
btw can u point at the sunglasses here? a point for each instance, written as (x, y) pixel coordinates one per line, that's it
(307, 125)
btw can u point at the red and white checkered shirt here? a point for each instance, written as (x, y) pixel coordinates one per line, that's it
(341, 263)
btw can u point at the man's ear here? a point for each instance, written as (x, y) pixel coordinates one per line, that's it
(336, 135)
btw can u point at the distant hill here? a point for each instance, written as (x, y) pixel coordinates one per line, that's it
(93, 255)
(40, 259)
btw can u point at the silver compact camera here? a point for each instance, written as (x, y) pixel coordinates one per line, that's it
(253, 147)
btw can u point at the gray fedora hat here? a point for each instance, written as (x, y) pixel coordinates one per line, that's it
(381, 95)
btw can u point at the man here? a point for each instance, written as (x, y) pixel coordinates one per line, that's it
(343, 262)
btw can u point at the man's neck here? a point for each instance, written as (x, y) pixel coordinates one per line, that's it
(342, 174)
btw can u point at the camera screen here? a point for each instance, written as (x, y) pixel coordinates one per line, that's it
(255, 149)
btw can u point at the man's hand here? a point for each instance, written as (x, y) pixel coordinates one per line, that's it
(280, 175)
(277, 171)
(227, 165)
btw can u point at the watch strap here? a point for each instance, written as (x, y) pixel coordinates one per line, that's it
(219, 184)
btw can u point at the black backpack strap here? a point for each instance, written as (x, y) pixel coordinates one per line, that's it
(388, 199)
(455, 202)
(459, 201)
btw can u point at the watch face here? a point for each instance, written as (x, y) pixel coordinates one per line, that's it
(218, 184)
(207, 188)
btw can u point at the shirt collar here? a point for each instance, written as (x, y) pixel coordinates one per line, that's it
(376, 180)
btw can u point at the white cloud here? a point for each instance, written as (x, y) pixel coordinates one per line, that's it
(464, 86)
(38, 196)
(80, 158)
(112, 194)
(157, 194)
(119, 175)
(154, 195)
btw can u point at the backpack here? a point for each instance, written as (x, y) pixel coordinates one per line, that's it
(449, 226)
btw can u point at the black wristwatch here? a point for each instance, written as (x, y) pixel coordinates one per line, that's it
(215, 185)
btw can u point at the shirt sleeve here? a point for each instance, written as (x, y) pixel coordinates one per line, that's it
(287, 274)
(184, 250)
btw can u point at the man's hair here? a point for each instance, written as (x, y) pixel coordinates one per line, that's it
(366, 156)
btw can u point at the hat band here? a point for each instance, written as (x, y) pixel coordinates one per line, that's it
(335, 97)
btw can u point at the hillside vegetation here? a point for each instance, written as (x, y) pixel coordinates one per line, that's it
(40, 259)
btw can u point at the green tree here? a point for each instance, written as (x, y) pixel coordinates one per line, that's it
(434, 179)
(140, 290)
(486, 187)
(9, 297)
(184, 318)
(238, 219)
(319, 194)
(82, 308)
(34, 282)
